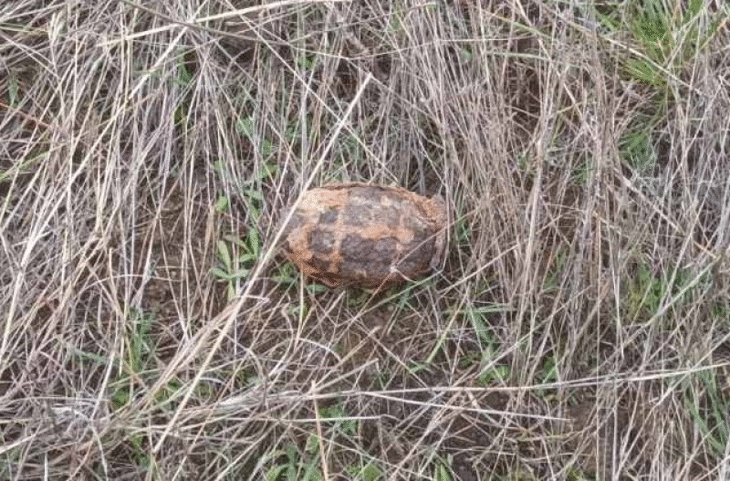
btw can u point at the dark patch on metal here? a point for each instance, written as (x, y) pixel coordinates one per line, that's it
(319, 264)
(417, 256)
(329, 216)
(322, 242)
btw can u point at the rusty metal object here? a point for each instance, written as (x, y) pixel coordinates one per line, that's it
(366, 235)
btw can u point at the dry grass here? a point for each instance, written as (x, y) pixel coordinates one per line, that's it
(579, 329)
